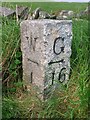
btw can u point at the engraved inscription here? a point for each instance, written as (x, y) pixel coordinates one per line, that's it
(52, 62)
(53, 73)
(33, 61)
(62, 75)
(31, 77)
(58, 46)
(31, 42)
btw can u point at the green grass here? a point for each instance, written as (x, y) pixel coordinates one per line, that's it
(11, 53)
(50, 6)
(70, 102)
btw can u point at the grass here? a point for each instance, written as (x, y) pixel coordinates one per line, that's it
(49, 6)
(71, 101)
(11, 56)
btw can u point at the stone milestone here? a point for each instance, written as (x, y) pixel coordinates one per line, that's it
(46, 51)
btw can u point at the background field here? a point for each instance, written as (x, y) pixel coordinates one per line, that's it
(50, 6)
(71, 102)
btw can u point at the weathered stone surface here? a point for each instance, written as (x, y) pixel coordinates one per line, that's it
(46, 50)
(61, 17)
(38, 13)
(30, 17)
(22, 12)
(35, 14)
(65, 14)
(6, 12)
(44, 15)
(52, 16)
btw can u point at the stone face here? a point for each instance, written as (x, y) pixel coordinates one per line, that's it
(6, 12)
(65, 14)
(38, 13)
(52, 16)
(35, 13)
(44, 15)
(46, 50)
(22, 12)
